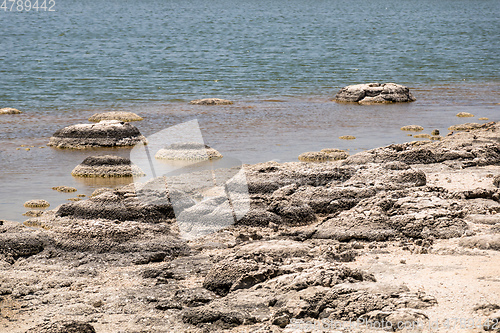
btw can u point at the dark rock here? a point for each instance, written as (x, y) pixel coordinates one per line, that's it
(63, 327)
(107, 133)
(107, 166)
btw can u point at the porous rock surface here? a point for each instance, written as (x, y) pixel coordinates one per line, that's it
(115, 115)
(106, 166)
(106, 133)
(188, 151)
(370, 93)
(373, 237)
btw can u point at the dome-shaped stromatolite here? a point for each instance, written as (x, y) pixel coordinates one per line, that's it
(188, 151)
(107, 133)
(9, 111)
(211, 101)
(115, 115)
(375, 93)
(106, 166)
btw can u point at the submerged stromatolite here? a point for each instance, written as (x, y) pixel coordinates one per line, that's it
(211, 101)
(107, 133)
(106, 166)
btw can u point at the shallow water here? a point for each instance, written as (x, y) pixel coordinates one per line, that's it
(280, 64)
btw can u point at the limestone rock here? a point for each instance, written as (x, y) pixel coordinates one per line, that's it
(375, 93)
(107, 133)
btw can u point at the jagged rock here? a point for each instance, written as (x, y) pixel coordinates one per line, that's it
(9, 111)
(19, 242)
(106, 133)
(211, 101)
(414, 215)
(69, 326)
(462, 148)
(188, 151)
(375, 93)
(126, 204)
(496, 180)
(107, 166)
(115, 115)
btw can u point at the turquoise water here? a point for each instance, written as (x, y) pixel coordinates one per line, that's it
(280, 61)
(122, 53)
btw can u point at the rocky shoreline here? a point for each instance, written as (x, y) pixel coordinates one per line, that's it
(408, 233)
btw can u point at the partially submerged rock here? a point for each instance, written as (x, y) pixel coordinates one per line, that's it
(370, 93)
(107, 133)
(107, 166)
(188, 151)
(465, 127)
(413, 128)
(324, 155)
(9, 111)
(347, 137)
(115, 115)
(37, 203)
(211, 101)
(464, 114)
(65, 189)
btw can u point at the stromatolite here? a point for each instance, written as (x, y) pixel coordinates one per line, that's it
(369, 93)
(107, 133)
(106, 166)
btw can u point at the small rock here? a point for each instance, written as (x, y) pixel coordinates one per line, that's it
(413, 128)
(38, 203)
(211, 101)
(464, 114)
(65, 189)
(347, 137)
(9, 111)
(435, 132)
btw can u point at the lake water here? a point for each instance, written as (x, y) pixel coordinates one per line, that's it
(280, 61)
